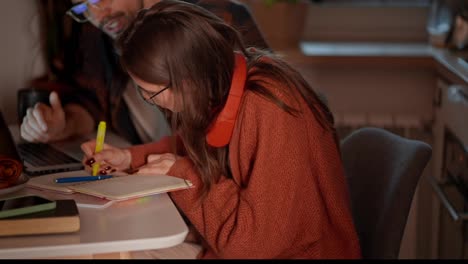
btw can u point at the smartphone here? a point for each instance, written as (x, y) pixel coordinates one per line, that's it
(21, 205)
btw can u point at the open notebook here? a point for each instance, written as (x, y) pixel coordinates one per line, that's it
(120, 187)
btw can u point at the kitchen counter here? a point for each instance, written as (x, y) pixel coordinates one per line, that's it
(451, 62)
(363, 49)
(323, 52)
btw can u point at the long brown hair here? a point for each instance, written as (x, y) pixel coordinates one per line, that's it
(191, 50)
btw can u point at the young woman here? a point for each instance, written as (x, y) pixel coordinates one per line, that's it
(253, 138)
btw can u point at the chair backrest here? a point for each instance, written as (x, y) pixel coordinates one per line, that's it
(382, 171)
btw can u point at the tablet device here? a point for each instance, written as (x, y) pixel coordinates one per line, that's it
(21, 205)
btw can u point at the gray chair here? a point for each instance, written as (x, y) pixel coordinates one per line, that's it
(382, 170)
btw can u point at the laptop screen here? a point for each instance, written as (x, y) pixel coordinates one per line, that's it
(36, 159)
(7, 146)
(11, 166)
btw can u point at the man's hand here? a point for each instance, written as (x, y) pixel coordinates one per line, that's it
(43, 123)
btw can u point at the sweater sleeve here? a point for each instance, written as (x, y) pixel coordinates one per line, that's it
(262, 210)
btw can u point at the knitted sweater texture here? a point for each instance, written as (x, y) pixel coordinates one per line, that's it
(288, 197)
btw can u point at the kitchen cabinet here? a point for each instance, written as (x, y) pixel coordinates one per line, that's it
(449, 220)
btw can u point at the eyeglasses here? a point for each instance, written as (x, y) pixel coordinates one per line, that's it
(149, 96)
(81, 12)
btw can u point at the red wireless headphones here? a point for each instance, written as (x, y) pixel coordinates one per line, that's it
(221, 131)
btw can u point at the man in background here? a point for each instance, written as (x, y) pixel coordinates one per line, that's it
(100, 90)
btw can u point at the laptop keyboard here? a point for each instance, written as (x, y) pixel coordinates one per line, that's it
(43, 155)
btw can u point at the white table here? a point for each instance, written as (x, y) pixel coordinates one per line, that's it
(146, 223)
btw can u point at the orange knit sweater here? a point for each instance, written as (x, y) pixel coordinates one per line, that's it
(288, 197)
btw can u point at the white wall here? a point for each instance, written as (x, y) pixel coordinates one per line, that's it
(20, 54)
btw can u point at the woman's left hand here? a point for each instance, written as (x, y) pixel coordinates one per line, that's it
(158, 164)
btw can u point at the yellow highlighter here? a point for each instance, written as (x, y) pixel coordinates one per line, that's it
(101, 134)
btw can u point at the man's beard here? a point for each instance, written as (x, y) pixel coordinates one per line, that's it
(114, 25)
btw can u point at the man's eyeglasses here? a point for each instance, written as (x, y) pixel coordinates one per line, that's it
(81, 12)
(149, 96)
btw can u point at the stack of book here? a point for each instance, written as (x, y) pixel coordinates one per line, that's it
(63, 219)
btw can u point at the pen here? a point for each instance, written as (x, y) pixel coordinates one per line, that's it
(101, 133)
(83, 178)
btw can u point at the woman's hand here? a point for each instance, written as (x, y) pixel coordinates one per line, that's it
(158, 164)
(111, 158)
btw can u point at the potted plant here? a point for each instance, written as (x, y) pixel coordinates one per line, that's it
(281, 21)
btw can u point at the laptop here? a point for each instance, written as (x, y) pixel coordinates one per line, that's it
(40, 159)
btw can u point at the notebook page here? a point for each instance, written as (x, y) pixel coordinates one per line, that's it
(131, 186)
(47, 182)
